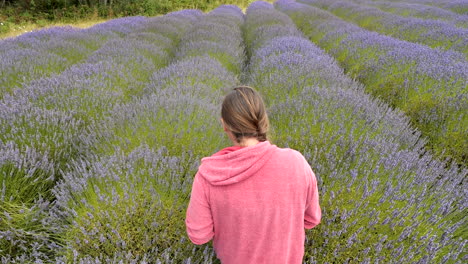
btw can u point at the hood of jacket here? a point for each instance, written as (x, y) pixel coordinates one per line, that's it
(235, 164)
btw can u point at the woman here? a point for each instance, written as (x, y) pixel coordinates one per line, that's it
(254, 199)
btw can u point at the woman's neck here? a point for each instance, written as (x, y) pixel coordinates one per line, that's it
(247, 142)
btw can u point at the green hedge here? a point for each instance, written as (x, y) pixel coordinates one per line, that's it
(37, 10)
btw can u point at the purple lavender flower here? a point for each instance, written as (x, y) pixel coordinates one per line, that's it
(324, 115)
(425, 31)
(421, 11)
(430, 88)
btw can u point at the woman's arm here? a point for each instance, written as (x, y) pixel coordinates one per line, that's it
(313, 213)
(199, 221)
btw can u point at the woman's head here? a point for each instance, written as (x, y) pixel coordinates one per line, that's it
(244, 114)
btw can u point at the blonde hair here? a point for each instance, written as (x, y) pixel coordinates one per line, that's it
(244, 114)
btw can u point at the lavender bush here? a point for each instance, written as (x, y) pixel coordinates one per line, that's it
(128, 207)
(36, 145)
(424, 31)
(210, 37)
(139, 193)
(178, 98)
(16, 67)
(121, 26)
(420, 11)
(97, 155)
(64, 119)
(50, 50)
(457, 6)
(428, 85)
(383, 199)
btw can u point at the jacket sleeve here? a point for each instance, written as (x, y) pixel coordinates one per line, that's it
(313, 213)
(199, 221)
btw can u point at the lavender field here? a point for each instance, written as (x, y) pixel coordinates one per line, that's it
(102, 129)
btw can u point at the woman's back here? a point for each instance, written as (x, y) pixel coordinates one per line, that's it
(260, 199)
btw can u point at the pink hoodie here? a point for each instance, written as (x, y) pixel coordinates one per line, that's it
(255, 202)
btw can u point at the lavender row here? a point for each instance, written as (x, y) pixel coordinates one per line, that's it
(429, 85)
(218, 35)
(131, 204)
(45, 52)
(85, 91)
(269, 64)
(54, 50)
(198, 48)
(458, 6)
(424, 31)
(62, 119)
(111, 29)
(378, 194)
(420, 11)
(150, 181)
(90, 90)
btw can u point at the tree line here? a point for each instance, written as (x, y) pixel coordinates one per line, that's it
(112, 7)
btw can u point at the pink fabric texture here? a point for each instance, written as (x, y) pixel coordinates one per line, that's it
(254, 202)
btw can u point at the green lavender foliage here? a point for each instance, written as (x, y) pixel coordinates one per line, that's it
(99, 146)
(429, 85)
